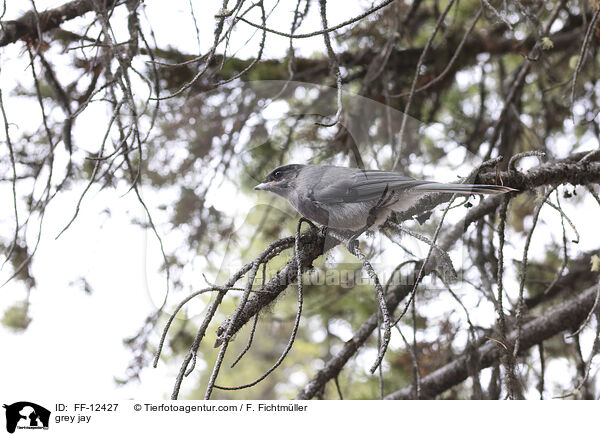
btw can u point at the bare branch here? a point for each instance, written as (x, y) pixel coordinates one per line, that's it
(564, 317)
(26, 27)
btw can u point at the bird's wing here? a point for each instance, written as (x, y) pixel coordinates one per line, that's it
(364, 185)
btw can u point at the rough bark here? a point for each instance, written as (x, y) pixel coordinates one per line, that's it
(27, 27)
(565, 317)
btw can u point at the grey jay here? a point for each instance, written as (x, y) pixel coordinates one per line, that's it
(352, 198)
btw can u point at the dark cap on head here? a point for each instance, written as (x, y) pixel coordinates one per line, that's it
(279, 177)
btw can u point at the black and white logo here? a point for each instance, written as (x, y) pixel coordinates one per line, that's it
(26, 415)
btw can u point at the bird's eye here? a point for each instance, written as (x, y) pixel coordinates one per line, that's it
(277, 174)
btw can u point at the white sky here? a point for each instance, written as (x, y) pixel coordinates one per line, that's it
(74, 344)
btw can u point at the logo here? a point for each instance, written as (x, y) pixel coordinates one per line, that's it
(26, 415)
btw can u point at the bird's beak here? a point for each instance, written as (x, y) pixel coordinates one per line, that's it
(262, 187)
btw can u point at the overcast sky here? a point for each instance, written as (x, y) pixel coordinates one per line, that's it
(74, 344)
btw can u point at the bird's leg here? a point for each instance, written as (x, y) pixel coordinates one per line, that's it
(352, 241)
(335, 236)
(327, 233)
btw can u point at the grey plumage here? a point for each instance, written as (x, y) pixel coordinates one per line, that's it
(351, 198)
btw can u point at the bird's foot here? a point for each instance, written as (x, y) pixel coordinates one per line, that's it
(335, 236)
(352, 244)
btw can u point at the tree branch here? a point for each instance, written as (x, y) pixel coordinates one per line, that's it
(566, 316)
(312, 243)
(552, 173)
(26, 27)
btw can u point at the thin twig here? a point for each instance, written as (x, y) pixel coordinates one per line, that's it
(323, 31)
(413, 86)
(296, 321)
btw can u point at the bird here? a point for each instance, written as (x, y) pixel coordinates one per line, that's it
(354, 199)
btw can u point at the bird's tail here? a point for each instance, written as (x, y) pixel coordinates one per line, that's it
(459, 188)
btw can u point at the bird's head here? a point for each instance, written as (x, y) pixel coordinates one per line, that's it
(281, 180)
